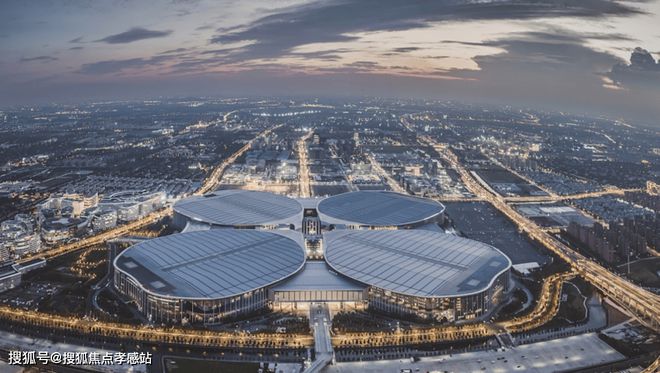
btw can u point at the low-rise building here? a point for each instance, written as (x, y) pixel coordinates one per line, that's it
(105, 218)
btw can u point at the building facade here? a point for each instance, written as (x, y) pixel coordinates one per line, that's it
(361, 250)
(465, 307)
(160, 308)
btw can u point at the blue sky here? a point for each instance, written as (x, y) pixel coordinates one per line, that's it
(572, 54)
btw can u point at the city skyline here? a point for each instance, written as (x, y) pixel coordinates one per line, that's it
(329, 186)
(318, 235)
(572, 56)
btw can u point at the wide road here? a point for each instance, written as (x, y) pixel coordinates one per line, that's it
(213, 180)
(394, 185)
(305, 189)
(643, 304)
(103, 236)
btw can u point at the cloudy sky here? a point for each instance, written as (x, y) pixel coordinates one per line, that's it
(573, 55)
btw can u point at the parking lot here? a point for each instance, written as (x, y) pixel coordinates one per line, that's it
(482, 222)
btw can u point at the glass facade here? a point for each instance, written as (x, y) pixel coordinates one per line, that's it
(450, 308)
(318, 296)
(196, 311)
(210, 311)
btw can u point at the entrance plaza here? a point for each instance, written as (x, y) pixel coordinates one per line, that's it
(318, 283)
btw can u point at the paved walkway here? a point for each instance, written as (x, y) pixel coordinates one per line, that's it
(542, 357)
(319, 318)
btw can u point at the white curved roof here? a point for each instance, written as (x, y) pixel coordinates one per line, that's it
(240, 207)
(378, 208)
(415, 262)
(212, 264)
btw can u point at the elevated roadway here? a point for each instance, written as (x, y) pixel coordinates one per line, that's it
(642, 304)
(124, 229)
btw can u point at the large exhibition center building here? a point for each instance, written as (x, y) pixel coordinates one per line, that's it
(243, 251)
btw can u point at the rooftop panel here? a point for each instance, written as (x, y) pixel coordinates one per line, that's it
(378, 208)
(415, 262)
(316, 275)
(239, 207)
(211, 264)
